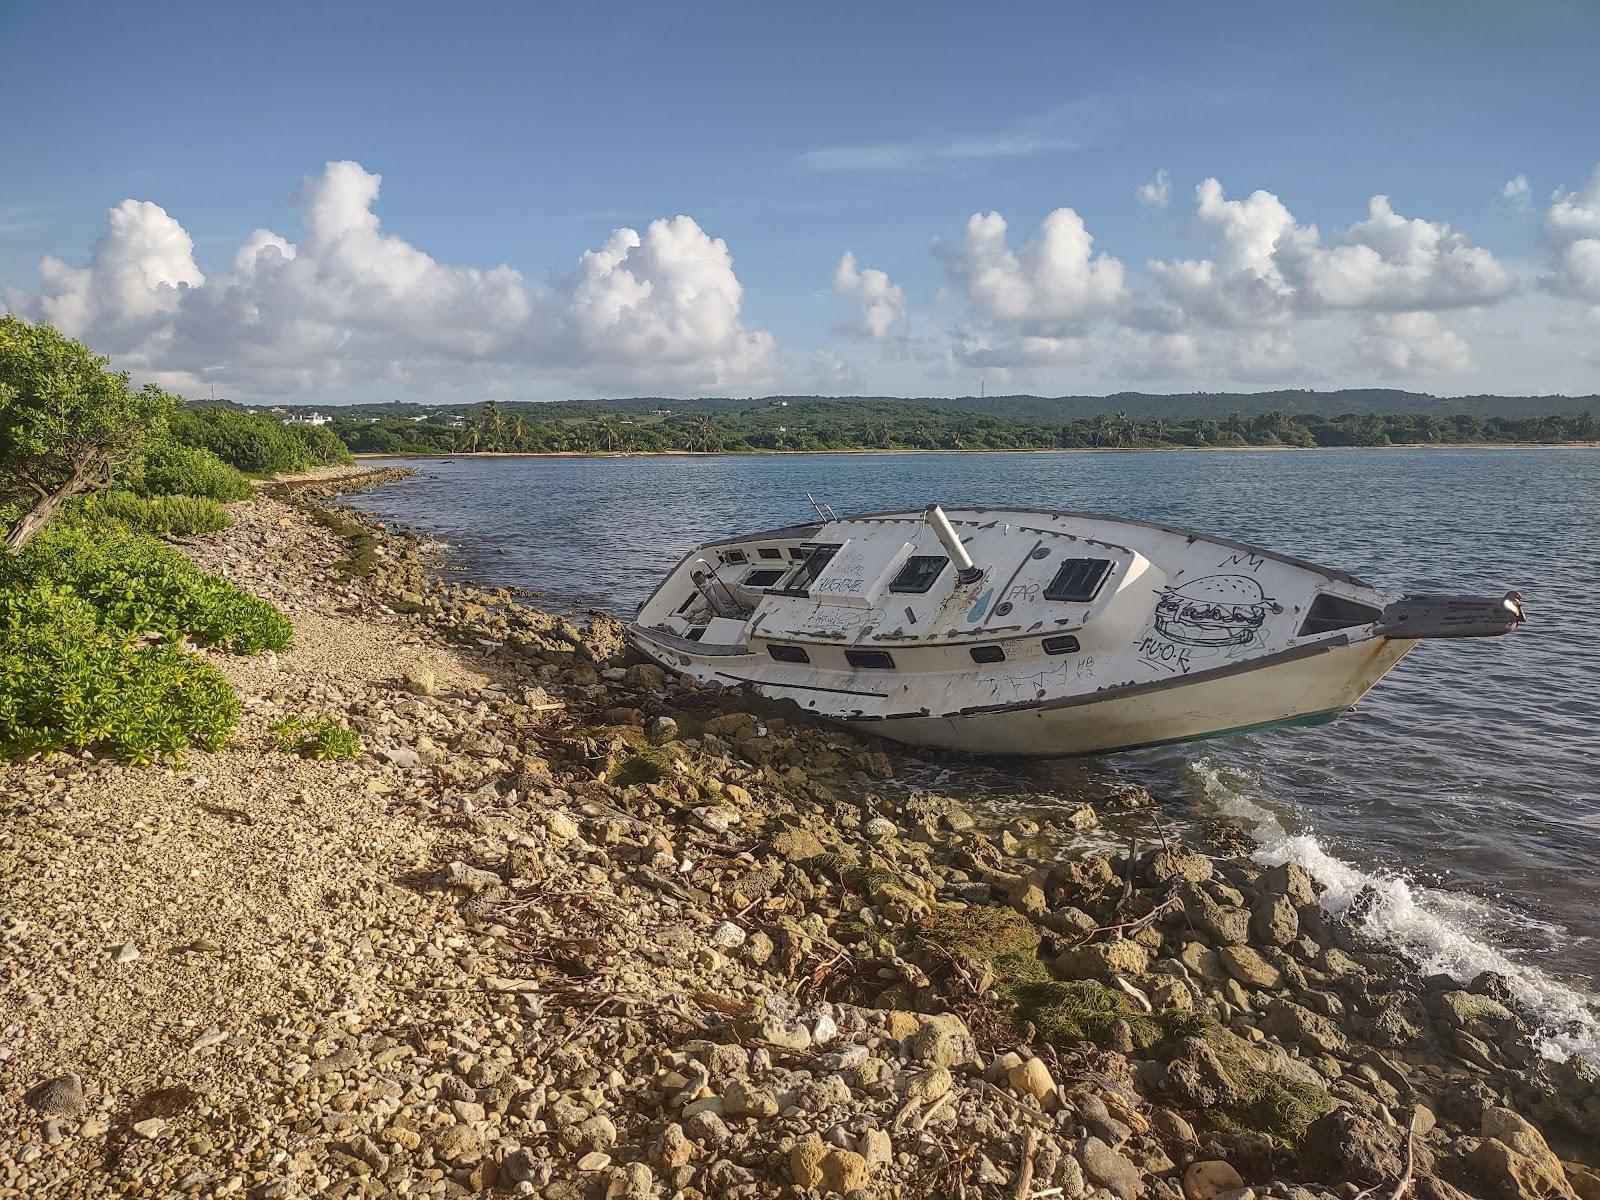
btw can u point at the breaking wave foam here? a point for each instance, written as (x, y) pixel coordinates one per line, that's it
(1440, 930)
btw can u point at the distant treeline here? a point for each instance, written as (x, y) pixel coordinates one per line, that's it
(878, 425)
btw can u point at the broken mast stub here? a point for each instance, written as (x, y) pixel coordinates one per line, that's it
(966, 572)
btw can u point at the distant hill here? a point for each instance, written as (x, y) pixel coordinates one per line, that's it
(1140, 406)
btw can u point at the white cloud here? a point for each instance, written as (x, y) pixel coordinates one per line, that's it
(833, 374)
(928, 155)
(1390, 263)
(1056, 130)
(1572, 230)
(1267, 269)
(1518, 193)
(138, 272)
(1158, 192)
(1414, 344)
(351, 304)
(1055, 278)
(882, 302)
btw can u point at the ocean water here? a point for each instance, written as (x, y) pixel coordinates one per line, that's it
(1464, 791)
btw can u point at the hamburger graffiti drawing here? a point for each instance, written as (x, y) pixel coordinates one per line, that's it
(1216, 611)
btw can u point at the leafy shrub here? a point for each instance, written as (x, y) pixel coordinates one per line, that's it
(161, 515)
(325, 740)
(174, 470)
(67, 680)
(249, 441)
(138, 586)
(323, 444)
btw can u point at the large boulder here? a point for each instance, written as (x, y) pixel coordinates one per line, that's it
(1256, 1088)
(1347, 1146)
(1109, 1169)
(1520, 1135)
(1249, 968)
(1102, 960)
(1204, 1179)
(1291, 881)
(1514, 1176)
(1295, 1023)
(1224, 924)
(1274, 921)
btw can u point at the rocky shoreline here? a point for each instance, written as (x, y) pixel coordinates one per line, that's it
(570, 928)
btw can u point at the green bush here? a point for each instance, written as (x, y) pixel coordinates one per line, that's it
(138, 586)
(67, 680)
(323, 444)
(173, 470)
(325, 740)
(249, 441)
(161, 515)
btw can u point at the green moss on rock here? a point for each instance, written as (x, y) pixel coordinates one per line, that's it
(649, 765)
(1069, 1012)
(1242, 1089)
(1000, 940)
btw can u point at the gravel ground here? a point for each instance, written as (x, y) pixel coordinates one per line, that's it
(570, 928)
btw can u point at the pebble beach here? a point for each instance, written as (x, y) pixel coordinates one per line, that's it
(570, 927)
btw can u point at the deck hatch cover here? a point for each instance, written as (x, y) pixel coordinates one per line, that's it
(1078, 580)
(921, 572)
(872, 660)
(814, 559)
(763, 577)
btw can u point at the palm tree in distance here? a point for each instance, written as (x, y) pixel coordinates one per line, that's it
(702, 434)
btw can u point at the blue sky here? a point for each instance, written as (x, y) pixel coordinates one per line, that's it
(525, 135)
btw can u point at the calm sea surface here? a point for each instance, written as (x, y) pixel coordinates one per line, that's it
(1465, 789)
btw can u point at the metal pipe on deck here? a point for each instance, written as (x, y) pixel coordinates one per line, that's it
(965, 571)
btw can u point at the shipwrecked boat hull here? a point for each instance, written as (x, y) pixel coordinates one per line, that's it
(1303, 691)
(1037, 633)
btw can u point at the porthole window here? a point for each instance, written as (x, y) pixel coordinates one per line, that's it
(1078, 580)
(1062, 643)
(763, 577)
(770, 552)
(871, 660)
(987, 654)
(788, 654)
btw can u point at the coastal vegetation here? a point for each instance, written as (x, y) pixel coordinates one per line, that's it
(256, 444)
(836, 425)
(95, 610)
(68, 425)
(93, 616)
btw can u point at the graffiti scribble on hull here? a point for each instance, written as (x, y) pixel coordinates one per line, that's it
(1214, 611)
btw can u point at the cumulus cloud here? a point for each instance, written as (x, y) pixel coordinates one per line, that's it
(1518, 193)
(1413, 344)
(832, 373)
(349, 304)
(138, 273)
(1158, 192)
(883, 303)
(1266, 268)
(1572, 231)
(1055, 278)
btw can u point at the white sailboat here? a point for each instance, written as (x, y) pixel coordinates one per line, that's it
(1037, 633)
